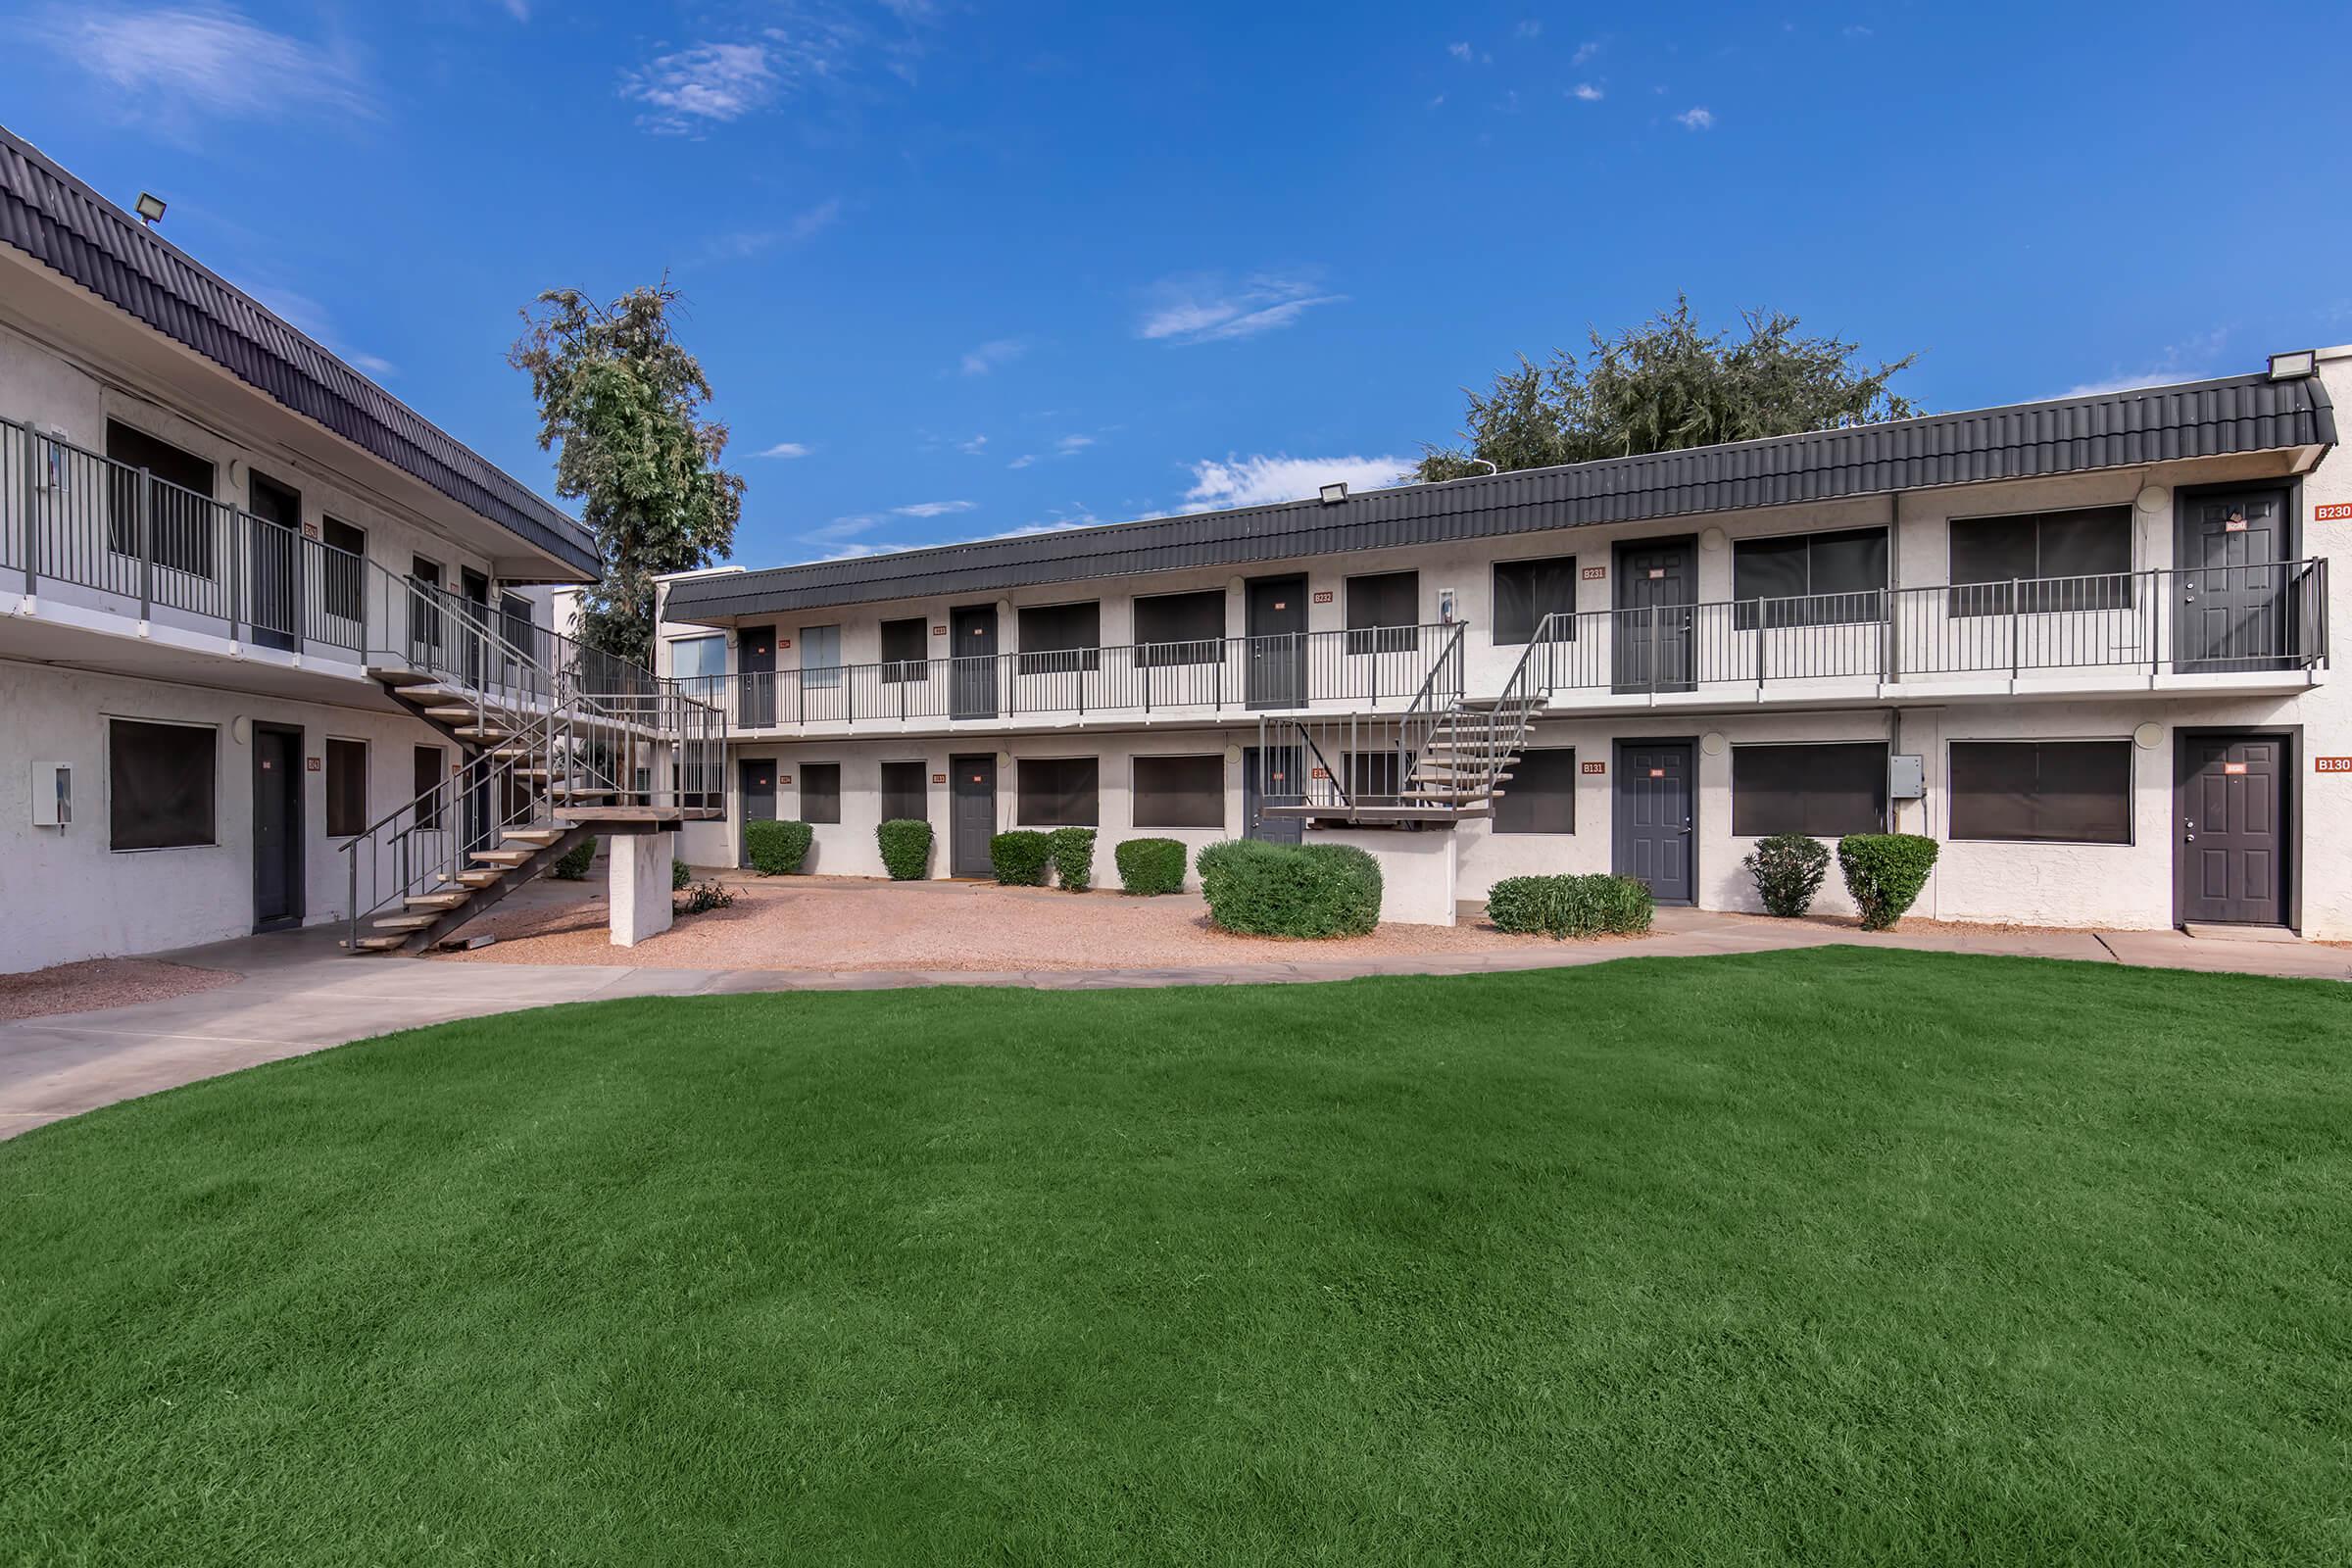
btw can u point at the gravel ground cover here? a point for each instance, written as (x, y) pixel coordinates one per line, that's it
(95, 983)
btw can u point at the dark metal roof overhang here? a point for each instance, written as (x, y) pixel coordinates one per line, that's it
(63, 223)
(2121, 429)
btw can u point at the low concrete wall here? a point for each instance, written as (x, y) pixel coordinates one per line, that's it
(1417, 878)
(637, 885)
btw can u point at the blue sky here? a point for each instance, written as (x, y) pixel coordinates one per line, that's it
(957, 271)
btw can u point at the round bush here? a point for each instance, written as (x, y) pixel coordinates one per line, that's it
(572, 864)
(1787, 868)
(1020, 858)
(777, 849)
(906, 849)
(1072, 851)
(1291, 890)
(1592, 905)
(1151, 865)
(680, 873)
(1884, 873)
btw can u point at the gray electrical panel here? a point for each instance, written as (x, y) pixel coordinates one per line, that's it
(1906, 777)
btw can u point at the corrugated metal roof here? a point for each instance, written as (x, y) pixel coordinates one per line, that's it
(60, 221)
(2029, 440)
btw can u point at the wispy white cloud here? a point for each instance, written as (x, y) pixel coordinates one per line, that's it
(1585, 51)
(992, 354)
(176, 65)
(1206, 308)
(976, 446)
(2191, 360)
(1069, 445)
(1529, 29)
(1459, 51)
(314, 320)
(1256, 481)
(519, 9)
(1586, 92)
(718, 82)
(784, 449)
(709, 82)
(1696, 120)
(1023, 461)
(744, 244)
(934, 508)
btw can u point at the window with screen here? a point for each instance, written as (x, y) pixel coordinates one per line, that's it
(1810, 579)
(905, 795)
(1058, 791)
(820, 657)
(425, 775)
(820, 792)
(2044, 560)
(1057, 639)
(162, 784)
(906, 650)
(1180, 628)
(1180, 790)
(1372, 777)
(2049, 791)
(1826, 790)
(346, 788)
(1525, 592)
(1539, 796)
(700, 666)
(183, 518)
(343, 570)
(1383, 612)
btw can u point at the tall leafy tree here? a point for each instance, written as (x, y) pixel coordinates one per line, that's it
(620, 403)
(1666, 384)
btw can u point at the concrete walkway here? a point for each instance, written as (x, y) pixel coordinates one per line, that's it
(299, 993)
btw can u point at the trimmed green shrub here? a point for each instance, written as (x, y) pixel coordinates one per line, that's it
(1151, 865)
(905, 842)
(1020, 858)
(777, 849)
(680, 873)
(1291, 890)
(1072, 851)
(1595, 905)
(1884, 873)
(572, 864)
(1787, 868)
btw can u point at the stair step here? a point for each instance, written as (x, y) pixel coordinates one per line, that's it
(506, 858)
(541, 836)
(483, 732)
(476, 878)
(437, 901)
(404, 922)
(378, 944)
(451, 711)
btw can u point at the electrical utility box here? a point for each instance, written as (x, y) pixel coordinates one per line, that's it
(1906, 777)
(52, 794)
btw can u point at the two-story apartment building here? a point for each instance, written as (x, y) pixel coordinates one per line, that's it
(220, 550)
(2083, 643)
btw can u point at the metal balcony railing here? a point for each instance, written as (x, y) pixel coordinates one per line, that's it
(71, 516)
(1381, 666)
(2253, 617)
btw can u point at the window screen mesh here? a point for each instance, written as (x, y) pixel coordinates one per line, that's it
(2034, 548)
(2056, 791)
(1539, 796)
(161, 784)
(905, 646)
(1824, 790)
(1527, 591)
(1180, 790)
(181, 522)
(426, 774)
(1060, 637)
(1180, 629)
(905, 795)
(1057, 792)
(1812, 579)
(346, 788)
(1382, 611)
(820, 792)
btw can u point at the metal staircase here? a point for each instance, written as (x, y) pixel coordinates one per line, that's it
(1445, 758)
(554, 741)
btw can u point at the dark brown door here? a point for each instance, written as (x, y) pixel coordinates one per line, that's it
(2233, 610)
(755, 794)
(972, 674)
(2231, 859)
(1657, 586)
(974, 821)
(273, 568)
(1654, 807)
(1276, 624)
(276, 828)
(755, 660)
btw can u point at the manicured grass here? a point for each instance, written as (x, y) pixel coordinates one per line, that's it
(1818, 1256)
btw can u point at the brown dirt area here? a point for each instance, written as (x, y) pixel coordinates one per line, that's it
(95, 983)
(848, 923)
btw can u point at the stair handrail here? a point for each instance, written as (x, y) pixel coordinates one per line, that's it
(1525, 692)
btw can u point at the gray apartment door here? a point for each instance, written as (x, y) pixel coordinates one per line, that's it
(1658, 584)
(973, 822)
(2233, 610)
(1272, 776)
(1276, 624)
(972, 674)
(2230, 867)
(756, 665)
(273, 564)
(755, 794)
(1655, 811)
(276, 828)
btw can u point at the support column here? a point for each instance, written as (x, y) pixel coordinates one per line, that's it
(637, 885)
(1417, 871)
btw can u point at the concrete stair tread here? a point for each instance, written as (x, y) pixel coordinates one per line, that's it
(438, 901)
(405, 922)
(506, 858)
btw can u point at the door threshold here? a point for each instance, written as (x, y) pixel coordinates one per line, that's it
(2214, 931)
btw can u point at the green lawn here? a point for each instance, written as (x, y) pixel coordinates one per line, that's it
(1817, 1256)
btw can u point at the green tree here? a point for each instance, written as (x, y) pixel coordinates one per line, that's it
(1664, 385)
(620, 403)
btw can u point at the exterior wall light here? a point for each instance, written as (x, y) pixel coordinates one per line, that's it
(150, 208)
(2294, 366)
(1332, 494)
